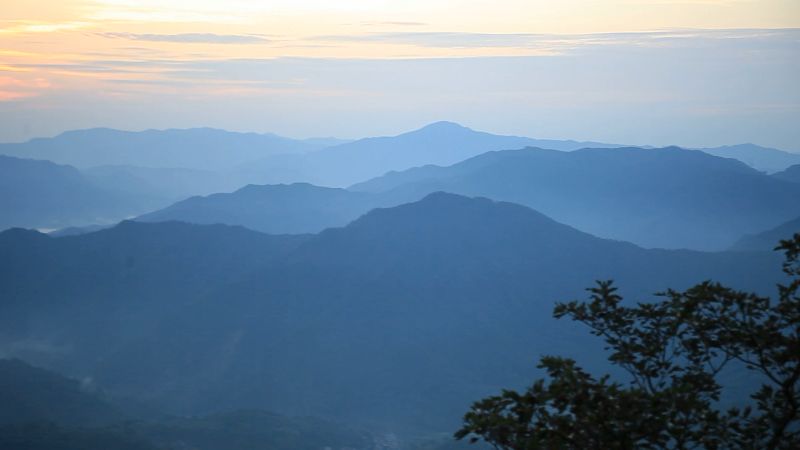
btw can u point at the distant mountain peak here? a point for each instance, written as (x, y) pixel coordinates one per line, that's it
(444, 125)
(442, 198)
(457, 210)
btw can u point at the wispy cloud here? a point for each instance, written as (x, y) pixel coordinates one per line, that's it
(15, 89)
(394, 23)
(23, 27)
(191, 38)
(555, 43)
(438, 38)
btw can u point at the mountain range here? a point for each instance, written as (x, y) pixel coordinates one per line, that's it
(790, 174)
(669, 197)
(396, 321)
(46, 195)
(194, 148)
(767, 240)
(363, 292)
(441, 143)
(764, 159)
(43, 410)
(152, 169)
(277, 209)
(708, 203)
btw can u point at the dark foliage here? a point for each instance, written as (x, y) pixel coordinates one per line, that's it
(674, 350)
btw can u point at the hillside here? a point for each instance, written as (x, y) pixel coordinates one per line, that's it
(437, 143)
(41, 194)
(42, 410)
(168, 183)
(395, 321)
(767, 240)
(279, 209)
(29, 394)
(764, 159)
(91, 293)
(791, 174)
(195, 148)
(670, 198)
(424, 305)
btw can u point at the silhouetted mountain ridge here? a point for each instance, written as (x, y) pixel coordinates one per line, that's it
(398, 319)
(666, 197)
(768, 240)
(278, 209)
(46, 195)
(791, 174)
(765, 159)
(436, 143)
(194, 148)
(116, 283)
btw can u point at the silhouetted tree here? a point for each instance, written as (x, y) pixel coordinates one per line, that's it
(673, 349)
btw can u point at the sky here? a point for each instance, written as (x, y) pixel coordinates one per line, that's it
(656, 72)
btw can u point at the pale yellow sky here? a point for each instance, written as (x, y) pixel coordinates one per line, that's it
(37, 31)
(75, 26)
(120, 52)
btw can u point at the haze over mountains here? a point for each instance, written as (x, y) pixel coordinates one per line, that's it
(768, 239)
(196, 148)
(667, 197)
(440, 143)
(42, 410)
(47, 195)
(792, 174)
(454, 294)
(765, 159)
(704, 203)
(379, 285)
(158, 168)
(154, 168)
(278, 209)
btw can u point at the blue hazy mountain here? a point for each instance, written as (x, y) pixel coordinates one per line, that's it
(437, 143)
(399, 319)
(30, 394)
(42, 194)
(43, 410)
(196, 148)
(768, 239)
(170, 165)
(171, 184)
(760, 158)
(278, 209)
(791, 174)
(132, 266)
(669, 197)
(323, 142)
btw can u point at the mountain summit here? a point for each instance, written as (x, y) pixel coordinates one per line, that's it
(669, 197)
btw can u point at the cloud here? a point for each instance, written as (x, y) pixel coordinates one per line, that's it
(15, 89)
(190, 38)
(555, 43)
(439, 38)
(396, 23)
(23, 27)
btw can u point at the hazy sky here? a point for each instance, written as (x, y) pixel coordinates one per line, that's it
(686, 72)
